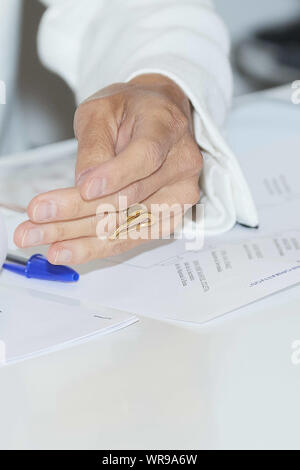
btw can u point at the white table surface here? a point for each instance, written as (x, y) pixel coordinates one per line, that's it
(154, 385)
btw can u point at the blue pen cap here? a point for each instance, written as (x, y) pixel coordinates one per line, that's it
(38, 267)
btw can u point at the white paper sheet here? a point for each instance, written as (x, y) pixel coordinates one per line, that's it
(34, 322)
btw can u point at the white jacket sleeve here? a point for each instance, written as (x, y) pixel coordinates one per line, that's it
(98, 42)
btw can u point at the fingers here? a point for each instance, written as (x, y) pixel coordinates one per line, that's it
(79, 241)
(29, 234)
(83, 250)
(88, 249)
(174, 199)
(153, 139)
(61, 204)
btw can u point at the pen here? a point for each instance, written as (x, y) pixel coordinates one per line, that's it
(38, 267)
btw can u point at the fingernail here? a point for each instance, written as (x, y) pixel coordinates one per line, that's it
(45, 211)
(63, 256)
(32, 237)
(96, 188)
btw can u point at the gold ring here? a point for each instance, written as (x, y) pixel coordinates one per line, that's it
(137, 217)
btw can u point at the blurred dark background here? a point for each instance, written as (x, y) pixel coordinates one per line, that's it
(271, 57)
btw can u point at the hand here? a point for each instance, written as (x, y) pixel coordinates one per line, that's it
(134, 140)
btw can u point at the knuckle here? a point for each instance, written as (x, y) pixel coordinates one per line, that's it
(77, 120)
(191, 193)
(134, 193)
(92, 252)
(177, 119)
(153, 103)
(81, 117)
(153, 154)
(74, 207)
(106, 105)
(116, 248)
(194, 159)
(195, 194)
(197, 160)
(93, 111)
(99, 137)
(60, 232)
(189, 159)
(92, 225)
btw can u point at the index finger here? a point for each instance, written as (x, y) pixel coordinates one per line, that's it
(60, 204)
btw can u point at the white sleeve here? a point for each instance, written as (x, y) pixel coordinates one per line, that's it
(98, 42)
